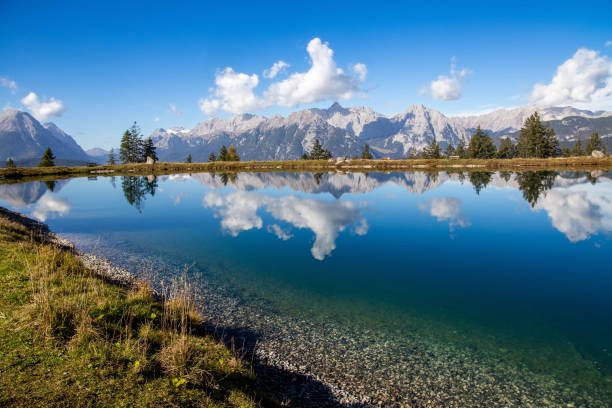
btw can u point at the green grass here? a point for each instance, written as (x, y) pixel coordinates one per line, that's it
(565, 163)
(70, 338)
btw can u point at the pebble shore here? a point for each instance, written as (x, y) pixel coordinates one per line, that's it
(312, 363)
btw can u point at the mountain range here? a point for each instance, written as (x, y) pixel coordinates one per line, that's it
(343, 131)
(24, 139)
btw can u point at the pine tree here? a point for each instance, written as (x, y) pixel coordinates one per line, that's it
(211, 157)
(507, 150)
(481, 146)
(47, 159)
(566, 151)
(594, 143)
(537, 139)
(149, 150)
(125, 150)
(365, 154)
(188, 159)
(432, 150)
(577, 150)
(223, 156)
(111, 157)
(450, 150)
(10, 164)
(412, 153)
(461, 150)
(305, 156)
(132, 146)
(137, 144)
(318, 152)
(232, 155)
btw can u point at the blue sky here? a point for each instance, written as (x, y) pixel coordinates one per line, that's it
(110, 64)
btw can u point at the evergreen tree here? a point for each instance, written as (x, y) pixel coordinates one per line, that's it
(318, 152)
(137, 144)
(461, 150)
(188, 160)
(211, 157)
(566, 151)
(412, 153)
(10, 164)
(305, 156)
(47, 159)
(577, 150)
(111, 157)
(537, 139)
(594, 143)
(232, 155)
(365, 154)
(432, 150)
(132, 146)
(149, 150)
(125, 151)
(223, 156)
(481, 146)
(450, 151)
(507, 150)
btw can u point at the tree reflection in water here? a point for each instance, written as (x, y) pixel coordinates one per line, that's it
(534, 183)
(480, 179)
(136, 189)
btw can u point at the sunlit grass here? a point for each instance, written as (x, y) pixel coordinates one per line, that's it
(569, 163)
(70, 338)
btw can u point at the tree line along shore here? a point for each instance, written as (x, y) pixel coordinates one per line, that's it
(341, 164)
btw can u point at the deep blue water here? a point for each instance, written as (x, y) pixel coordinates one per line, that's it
(513, 266)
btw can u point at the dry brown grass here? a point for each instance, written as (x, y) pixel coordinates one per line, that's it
(570, 163)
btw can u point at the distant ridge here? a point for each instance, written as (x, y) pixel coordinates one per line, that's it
(344, 131)
(24, 139)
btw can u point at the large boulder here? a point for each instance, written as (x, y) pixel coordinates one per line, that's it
(598, 154)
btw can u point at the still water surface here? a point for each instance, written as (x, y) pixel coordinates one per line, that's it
(481, 288)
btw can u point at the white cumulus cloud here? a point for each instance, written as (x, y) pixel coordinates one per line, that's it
(10, 84)
(361, 70)
(584, 80)
(43, 110)
(234, 91)
(608, 43)
(275, 69)
(450, 87)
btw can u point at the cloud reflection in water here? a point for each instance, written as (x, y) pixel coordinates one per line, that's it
(238, 212)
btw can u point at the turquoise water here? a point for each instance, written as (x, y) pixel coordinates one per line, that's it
(504, 280)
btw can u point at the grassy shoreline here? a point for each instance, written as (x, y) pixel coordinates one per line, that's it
(559, 163)
(70, 337)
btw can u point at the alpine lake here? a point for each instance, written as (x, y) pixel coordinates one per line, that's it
(396, 289)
